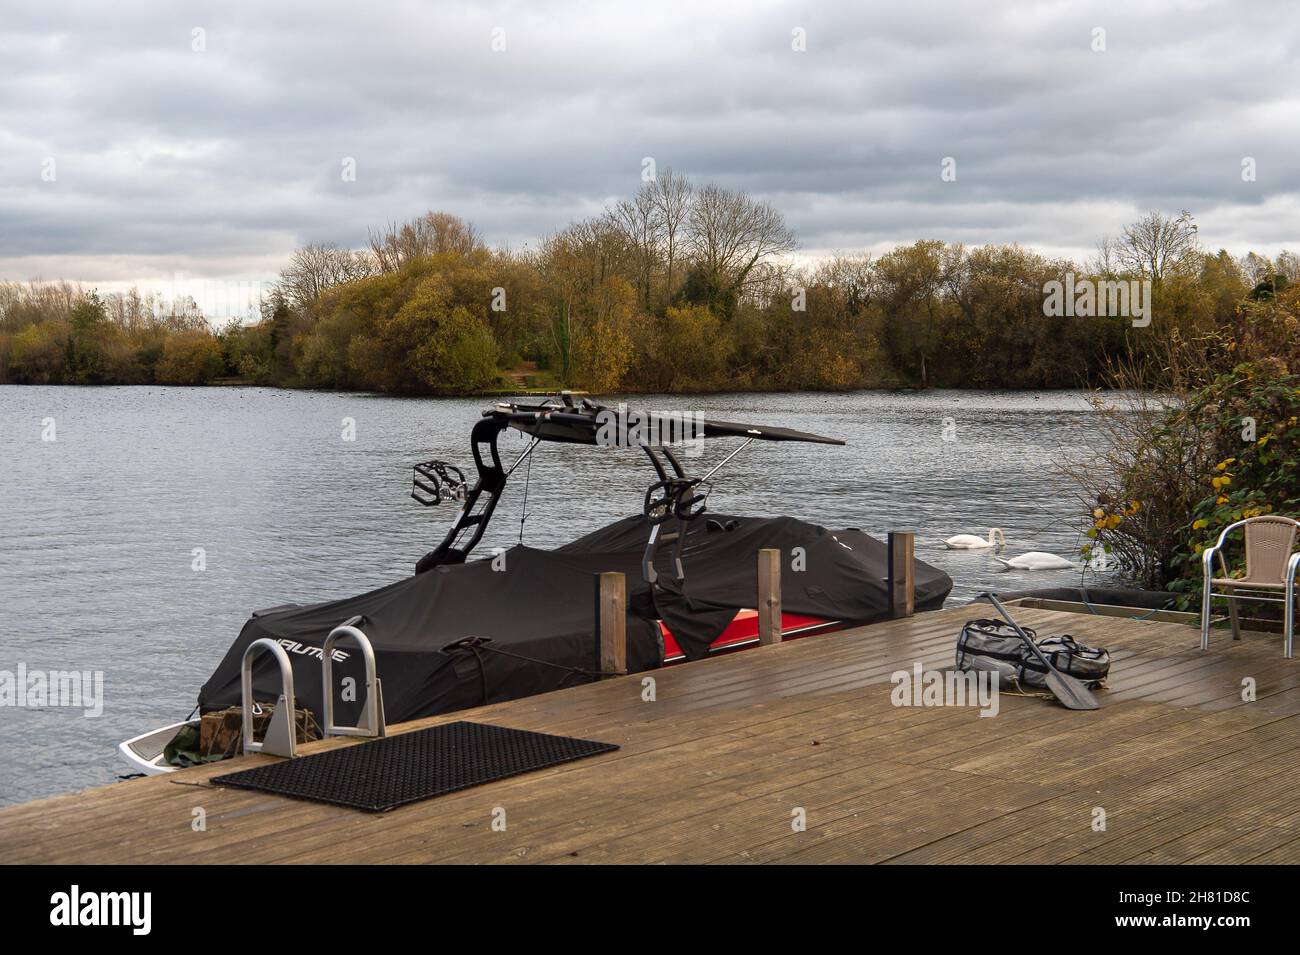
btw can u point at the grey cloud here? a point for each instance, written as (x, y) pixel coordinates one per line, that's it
(233, 155)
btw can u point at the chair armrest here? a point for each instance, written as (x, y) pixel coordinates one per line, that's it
(1207, 560)
(1228, 530)
(1207, 555)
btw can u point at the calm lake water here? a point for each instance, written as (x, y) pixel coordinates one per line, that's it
(100, 524)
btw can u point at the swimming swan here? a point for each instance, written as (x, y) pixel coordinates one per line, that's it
(971, 542)
(1036, 560)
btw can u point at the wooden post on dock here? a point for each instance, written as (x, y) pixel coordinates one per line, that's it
(902, 584)
(769, 595)
(612, 621)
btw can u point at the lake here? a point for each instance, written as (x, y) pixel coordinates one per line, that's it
(101, 523)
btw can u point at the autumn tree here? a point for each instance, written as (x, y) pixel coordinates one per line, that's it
(672, 195)
(602, 340)
(576, 264)
(190, 358)
(1154, 247)
(911, 282)
(315, 269)
(731, 233)
(38, 353)
(689, 349)
(641, 223)
(432, 233)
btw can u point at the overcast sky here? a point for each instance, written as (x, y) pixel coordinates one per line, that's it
(127, 155)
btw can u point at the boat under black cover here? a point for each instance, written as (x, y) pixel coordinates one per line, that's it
(522, 622)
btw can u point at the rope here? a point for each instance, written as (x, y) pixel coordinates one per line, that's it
(558, 666)
(1094, 611)
(1083, 588)
(474, 644)
(523, 514)
(1029, 696)
(482, 671)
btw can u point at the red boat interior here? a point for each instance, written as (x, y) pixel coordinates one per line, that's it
(742, 632)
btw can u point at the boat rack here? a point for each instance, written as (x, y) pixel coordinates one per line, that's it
(280, 738)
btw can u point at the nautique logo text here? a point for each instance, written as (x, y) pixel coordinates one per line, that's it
(307, 650)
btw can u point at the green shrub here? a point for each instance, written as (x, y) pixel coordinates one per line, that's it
(39, 354)
(1228, 451)
(190, 358)
(1253, 416)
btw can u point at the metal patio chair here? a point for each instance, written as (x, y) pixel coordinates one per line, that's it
(1270, 569)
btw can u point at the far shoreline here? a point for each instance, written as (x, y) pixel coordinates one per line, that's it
(231, 384)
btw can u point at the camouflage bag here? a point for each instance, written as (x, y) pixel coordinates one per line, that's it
(220, 734)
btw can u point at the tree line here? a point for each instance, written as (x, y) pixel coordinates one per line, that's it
(679, 288)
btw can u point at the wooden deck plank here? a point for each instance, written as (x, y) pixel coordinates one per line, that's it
(1247, 847)
(713, 769)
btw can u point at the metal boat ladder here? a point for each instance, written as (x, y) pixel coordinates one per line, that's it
(280, 736)
(372, 714)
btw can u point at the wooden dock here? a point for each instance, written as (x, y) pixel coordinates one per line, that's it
(732, 750)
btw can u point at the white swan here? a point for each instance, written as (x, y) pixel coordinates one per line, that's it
(971, 542)
(1036, 560)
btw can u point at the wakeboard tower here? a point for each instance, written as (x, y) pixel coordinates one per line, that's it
(674, 499)
(459, 633)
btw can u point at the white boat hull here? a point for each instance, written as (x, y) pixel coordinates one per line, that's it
(144, 753)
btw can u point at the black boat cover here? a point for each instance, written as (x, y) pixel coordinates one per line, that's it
(522, 622)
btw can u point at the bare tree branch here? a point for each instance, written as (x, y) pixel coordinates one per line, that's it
(430, 234)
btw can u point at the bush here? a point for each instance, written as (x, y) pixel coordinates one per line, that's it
(602, 341)
(1253, 419)
(190, 358)
(38, 355)
(324, 361)
(246, 350)
(1140, 486)
(690, 348)
(1172, 480)
(458, 354)
(1187, 449)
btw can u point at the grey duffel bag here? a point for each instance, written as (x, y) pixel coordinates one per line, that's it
(996, 645)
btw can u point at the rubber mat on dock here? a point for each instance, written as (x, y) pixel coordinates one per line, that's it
(386, 773)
